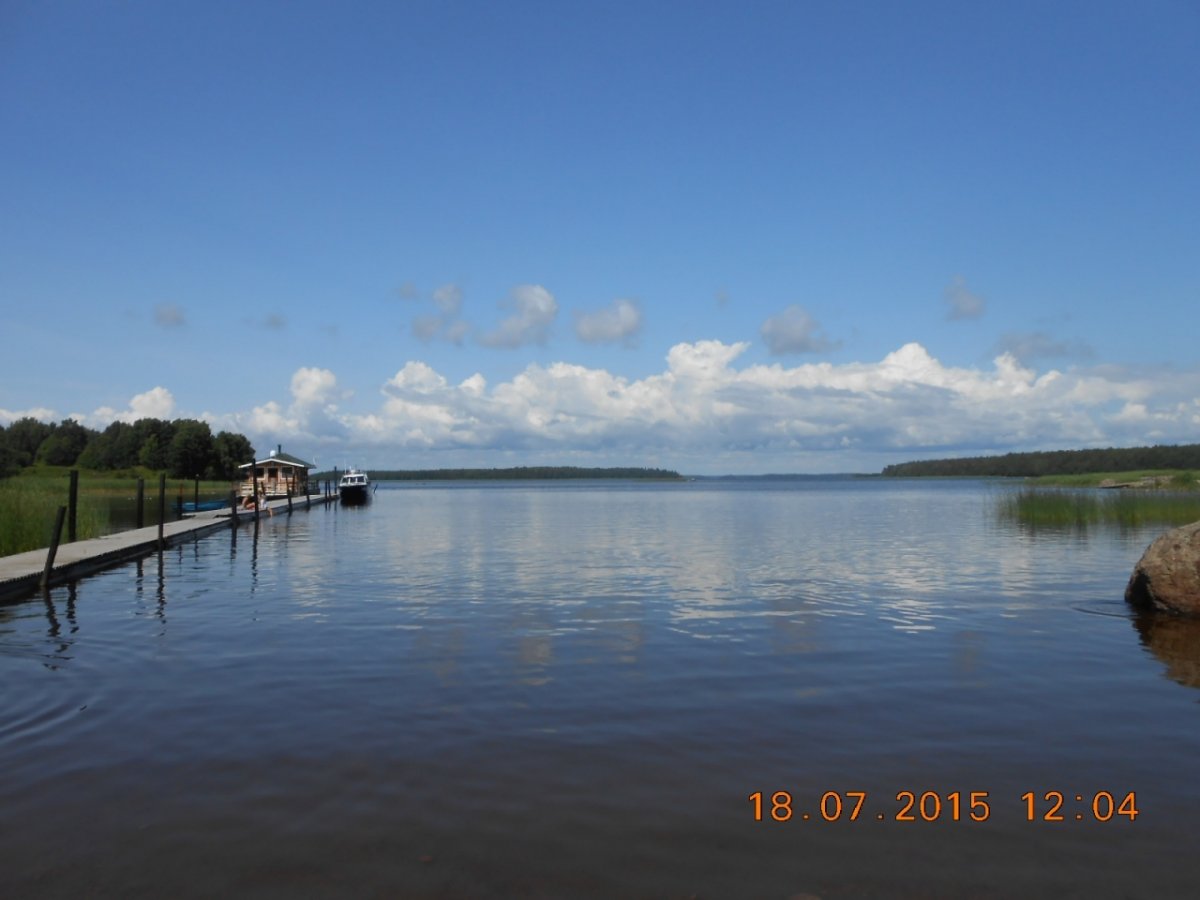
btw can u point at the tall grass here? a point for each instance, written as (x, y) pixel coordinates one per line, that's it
(1065, 508)
(29, 502)
(28, 507)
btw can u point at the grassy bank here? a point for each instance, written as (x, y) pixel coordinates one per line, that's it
(1050, 507)
(29, 502)
(1172, 479)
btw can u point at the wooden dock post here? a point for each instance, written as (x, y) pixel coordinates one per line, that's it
(53, 551)
(141, 503)
(162, 509)
(196, 496)
(289, 500)
(73, 506)
(256, 499)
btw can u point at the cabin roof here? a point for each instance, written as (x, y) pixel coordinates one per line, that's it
(280, 458)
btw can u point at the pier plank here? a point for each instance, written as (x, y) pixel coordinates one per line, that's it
(20, 573)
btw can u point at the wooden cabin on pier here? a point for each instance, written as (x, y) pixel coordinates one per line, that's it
(279, 474)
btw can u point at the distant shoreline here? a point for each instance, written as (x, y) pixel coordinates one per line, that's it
(517, 473)
(1035, 464)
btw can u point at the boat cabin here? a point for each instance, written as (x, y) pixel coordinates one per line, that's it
(278, 475)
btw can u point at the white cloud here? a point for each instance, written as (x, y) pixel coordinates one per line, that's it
(534, 309)
(703, 407)
(312, 387)
(156, 403)
(270, 419)
(621, 320)
(414, 378)
(311, 418)
(41, 413)
(963, 303)
(794, 331)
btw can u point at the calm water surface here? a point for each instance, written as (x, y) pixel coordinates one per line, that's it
(572, 690)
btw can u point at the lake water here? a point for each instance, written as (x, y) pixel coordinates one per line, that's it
(573, 689)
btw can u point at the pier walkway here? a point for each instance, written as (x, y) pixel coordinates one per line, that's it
(21, 574)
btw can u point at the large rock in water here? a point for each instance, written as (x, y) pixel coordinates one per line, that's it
(1168, 574)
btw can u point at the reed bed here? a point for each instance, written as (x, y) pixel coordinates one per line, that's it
(28, 507)
(1036, 507)
(30, 501)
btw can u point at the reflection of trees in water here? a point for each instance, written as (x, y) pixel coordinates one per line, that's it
(1175, 640)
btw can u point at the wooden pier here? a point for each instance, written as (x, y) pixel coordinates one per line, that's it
(22, 574)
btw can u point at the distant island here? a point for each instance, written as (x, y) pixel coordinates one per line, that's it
(1055, 462)
(517, 473)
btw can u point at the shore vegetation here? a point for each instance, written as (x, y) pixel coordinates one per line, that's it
(1175, 457)
(29, 502)
(1079, 507)
(184, 448)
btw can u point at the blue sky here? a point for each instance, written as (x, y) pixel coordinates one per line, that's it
(716, 236)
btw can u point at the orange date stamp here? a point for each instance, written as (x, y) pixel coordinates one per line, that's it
(945, 806)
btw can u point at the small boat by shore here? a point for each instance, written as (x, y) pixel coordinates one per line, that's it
(354, 486)
(190, 506)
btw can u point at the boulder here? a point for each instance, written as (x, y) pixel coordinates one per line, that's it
(1167, 577)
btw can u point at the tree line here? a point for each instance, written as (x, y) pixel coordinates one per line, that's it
(184, 448)
(1056, 462)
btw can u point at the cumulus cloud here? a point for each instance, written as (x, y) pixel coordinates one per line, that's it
(312, 416)
(794, 331)
(704, 406)
(41, 413)
(168, 315)
(962, 302)
(621, 320)
(156, 403)
(907, 399)
(313, 387)
(534, 309)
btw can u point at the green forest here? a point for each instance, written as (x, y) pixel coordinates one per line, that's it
(1056, 462)
(183, 448)
(517, 473)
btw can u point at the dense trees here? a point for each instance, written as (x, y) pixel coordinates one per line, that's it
(64, 444)
(8, 457)
(186, 448)
(25, 436)
(1057, 462)
(231, 450)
